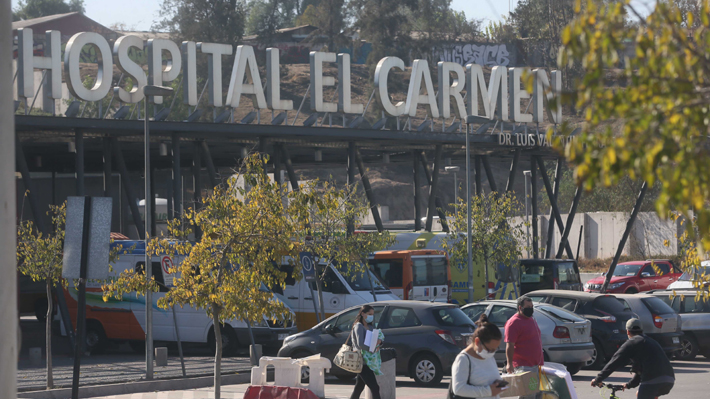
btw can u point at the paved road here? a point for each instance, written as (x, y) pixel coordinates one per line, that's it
(692, 381)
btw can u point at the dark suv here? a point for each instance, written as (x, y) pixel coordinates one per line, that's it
(427, 336)
(607, 314)
(543, 274)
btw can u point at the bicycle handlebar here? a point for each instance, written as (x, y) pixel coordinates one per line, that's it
(614, 387)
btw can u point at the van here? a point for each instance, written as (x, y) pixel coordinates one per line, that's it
(339, 292)
(420, 275)
(545, 274)
(124, 320)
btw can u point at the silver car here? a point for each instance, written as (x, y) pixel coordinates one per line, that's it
(566, 337)
(659, 321)
(695, 317)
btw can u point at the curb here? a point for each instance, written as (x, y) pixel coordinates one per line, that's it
(138, 387)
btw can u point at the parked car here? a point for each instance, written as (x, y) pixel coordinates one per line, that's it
(659, 321)
(607, 314)
(637, 276)
(695, 317)
(541, 274)
(566, 337)
(426, 335)
(685, 282)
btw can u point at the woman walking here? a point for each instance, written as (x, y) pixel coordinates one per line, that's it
(474, 373)
(371, 360)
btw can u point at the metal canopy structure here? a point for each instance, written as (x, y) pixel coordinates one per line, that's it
(85, 146)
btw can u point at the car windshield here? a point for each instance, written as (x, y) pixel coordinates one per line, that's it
(703, 270)
(560, 314)
(627, 270)
(451, 317)
(359, 281)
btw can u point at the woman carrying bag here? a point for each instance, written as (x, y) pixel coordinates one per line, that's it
(475, 373)
(371, 360)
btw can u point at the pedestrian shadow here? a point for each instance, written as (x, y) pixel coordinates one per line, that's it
(578, 378)
(692, 365)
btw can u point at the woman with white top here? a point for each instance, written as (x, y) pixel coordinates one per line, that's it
(475, 372)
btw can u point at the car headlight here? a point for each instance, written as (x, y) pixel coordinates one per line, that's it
(615, 285)
(586, 286)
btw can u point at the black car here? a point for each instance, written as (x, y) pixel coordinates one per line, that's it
(607, 314)
(426, 336)
(543, 274)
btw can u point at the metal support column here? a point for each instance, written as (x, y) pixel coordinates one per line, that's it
(128, 187)
(439, 205)
(289, 169)
(351, 180)
(79, 166)
(570, 220)
(513, 172)
(479, 185)
(211, 170)
(197, 181)
(153, 210)
(108, 170)
(417, 192)
(177, 177)
(489, 173)
(278, 166)
(368, 192)
(432, 207)
(624, 237)
(29, 186)
(553, 203)
(551, 221)
(533, 184)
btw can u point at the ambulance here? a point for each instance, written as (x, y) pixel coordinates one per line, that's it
(124, 320)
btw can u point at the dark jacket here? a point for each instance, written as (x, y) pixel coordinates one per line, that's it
(648, 361)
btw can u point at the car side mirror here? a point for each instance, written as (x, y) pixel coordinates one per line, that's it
(329, 329)
(645, 274)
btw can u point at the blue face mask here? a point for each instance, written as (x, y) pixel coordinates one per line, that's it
(369, 318)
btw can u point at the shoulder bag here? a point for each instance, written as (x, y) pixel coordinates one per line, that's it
(451, 394)
(347, 358)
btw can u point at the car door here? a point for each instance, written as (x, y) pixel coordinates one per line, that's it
(403, 333)
(648, 280)
(499, 315)
(421, 288)
(667, 277)
(330, 343)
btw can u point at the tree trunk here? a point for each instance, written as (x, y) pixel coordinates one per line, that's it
(48, 334)
(218, 352)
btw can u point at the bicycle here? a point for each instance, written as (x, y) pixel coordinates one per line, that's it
(614, 389)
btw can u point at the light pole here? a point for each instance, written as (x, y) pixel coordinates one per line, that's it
(455, 169)
(527, 175)
(148, 91)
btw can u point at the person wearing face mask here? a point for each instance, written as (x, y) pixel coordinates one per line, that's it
(523, 349)
(371, 360)
(474, 373)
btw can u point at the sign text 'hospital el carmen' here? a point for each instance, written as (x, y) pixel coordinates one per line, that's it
(500, 97)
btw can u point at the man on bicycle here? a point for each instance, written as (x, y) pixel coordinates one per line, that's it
(649, 364)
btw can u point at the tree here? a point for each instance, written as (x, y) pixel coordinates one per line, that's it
(265, 17)
(383, 23)
(329, 16)
(494, 238)
(40, 257)
(41, 8)
(244, 229)
(330, 210)
(661, 112)
(214, 21)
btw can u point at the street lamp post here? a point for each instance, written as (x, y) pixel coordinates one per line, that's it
(148, 91)
(455, 169)
(527, 175)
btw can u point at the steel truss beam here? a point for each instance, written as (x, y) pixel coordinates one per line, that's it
(128, 187)
(368, 192)
(553, 203)
(551, 222)
(489, 173)
(570, 220)
(430, 180)
(513, 172)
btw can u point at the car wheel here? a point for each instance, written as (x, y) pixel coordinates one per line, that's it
(305, 371)
(573, 368)
(597, 360)
(230, 344)
(95, 338)
(688, 348)
(426, 370)
(632, 290)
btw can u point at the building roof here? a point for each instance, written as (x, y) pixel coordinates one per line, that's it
(69, 24)
(28, 23)
(145, 35)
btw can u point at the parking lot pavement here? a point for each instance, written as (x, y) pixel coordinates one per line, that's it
(692, 381)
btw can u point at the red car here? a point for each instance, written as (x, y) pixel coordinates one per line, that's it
(637, 276)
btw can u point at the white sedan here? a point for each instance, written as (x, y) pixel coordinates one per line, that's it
(566, 337)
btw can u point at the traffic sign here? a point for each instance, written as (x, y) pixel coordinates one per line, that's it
(309, 267)
(167, 263)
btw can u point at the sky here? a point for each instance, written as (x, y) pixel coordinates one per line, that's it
(140, 14)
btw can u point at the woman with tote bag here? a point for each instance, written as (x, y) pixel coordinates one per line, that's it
(475, 373)
(371, 359)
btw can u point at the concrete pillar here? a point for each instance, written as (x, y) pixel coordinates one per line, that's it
(8, 264)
